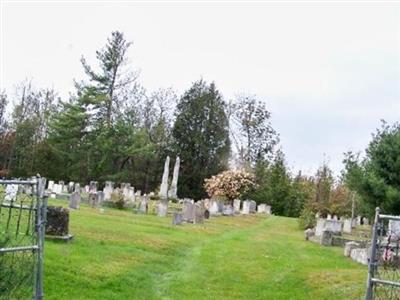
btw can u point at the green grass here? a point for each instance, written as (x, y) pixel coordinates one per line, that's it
(120, 255)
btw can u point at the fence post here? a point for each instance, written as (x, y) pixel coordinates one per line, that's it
(41, 211)
(372, 260)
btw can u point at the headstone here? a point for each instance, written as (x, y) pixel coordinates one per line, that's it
(92, 187)
(100, 197)
(188, 211)
(220, 205)
(329, 217)
(394, 228)
(358, 220)
(326, 238)
(360, 255)
(354, 223)
(162, 210)
(11, 192)
(57, 221)
(86, 189)
(206, 214)
(268, 210)
(173, 191)
(130, 196)
(198, 214)
(71, 186)
(57, 188)
(350, 246)
(253, 206)
(108, 189)
(176, 219)
(77, 188)
(262, 208)
(365, 221)
(74, 200)
(236, 206)
(93, 200)
(214, 209)
(347, 224)
(309, 233)
(143, 206)
(228, 210)
(50, 185)
(328, 225)
(164, 183)
(246, 207)
(335, 217)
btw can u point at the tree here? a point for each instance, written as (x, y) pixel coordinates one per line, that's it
(229, 184)
(251, 130)
(376, 178)
(201, 137)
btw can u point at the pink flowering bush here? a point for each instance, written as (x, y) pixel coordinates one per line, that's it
(229, 184)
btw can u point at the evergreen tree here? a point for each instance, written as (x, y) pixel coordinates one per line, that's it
(201, 137)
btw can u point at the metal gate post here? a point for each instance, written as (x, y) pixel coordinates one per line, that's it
(372, 260)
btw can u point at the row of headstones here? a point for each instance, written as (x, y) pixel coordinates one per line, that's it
(248, 207)
(338, 225)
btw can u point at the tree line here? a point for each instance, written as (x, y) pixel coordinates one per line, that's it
(112, 128)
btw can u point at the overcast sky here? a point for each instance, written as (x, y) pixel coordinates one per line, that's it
(328, 72)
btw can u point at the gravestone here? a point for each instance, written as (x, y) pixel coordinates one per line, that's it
(394, 228)
(92, 187)
(188, 211)
(162, 208)
(228, 210)
(347, 225)
(309, 233)
(365, 221)
(268, 209)
(74, 200)
(108, 189)
(328, 225)
(360, 255)
(50, 185)
(176, 218)
(253, 206)
(143, 206)
(11, 192)
(262, 208)
(350, 246)
(57, 221)
(236, 206)
(329, 217)
(57, 188)
(173, 191)
(220, 205)
(77, 188)
(326, 238)
(358, 220)
(335, 217)
(100, 197)
(164, 182)
(246, 207)
(214, 209)
(93, 200)
(71, 186)
(206, 214)
(198, 214)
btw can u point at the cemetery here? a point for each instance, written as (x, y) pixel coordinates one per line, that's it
(199, 150)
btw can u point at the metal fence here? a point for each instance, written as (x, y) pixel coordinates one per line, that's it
(22, 228)
(384, 265)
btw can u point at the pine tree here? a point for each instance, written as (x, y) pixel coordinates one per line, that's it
(201, 137)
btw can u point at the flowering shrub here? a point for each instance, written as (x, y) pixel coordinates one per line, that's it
(229, 184)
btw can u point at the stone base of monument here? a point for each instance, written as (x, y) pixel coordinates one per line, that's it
(64, 238)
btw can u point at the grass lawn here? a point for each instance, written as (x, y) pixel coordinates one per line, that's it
(121, 255)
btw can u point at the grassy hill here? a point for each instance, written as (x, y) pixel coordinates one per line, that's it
(121, 255)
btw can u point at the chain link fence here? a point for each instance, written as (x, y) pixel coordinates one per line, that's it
(384, 265)
(22, 221)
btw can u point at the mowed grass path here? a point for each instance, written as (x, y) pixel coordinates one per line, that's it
(121, 255)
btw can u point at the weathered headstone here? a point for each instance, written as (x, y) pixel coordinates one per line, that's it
(198, 214)
(309, 233)
(11, 192)
(143, 206)
(358, 220)
(74, 200)
(173, 191)
(77, 188)
(50, 185)
(188, 211)
(108, 189)
(326, 238)
(214, 208)
(365, 221)
(228, 210)
(57, 221)
(347, 225)
(162, 208)
(93, 200)
(328, 225)
(71, 186)
(329, 217)
(164, 183)
(262, 208)
(394, 228)
(268, 209)
(92, 187)
(253, 206)
(246, 207)
(360, 255)
(177, 218)
(350, 246)
(236, 206)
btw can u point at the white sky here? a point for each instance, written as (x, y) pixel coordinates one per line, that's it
(328, 72)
